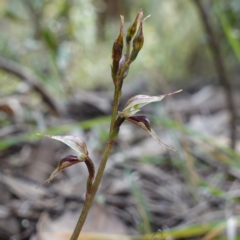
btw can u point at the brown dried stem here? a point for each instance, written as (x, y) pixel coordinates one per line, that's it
(91, 174)
(220, 69)
(31, 79)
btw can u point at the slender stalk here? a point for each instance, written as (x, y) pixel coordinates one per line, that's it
(94, 188)
(115, 107)
(91, 174)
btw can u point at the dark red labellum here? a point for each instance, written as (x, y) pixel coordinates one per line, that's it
(67, 161)
(143, 120)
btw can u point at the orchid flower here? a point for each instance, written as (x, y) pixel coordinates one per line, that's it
(77, 145)
(134, 105)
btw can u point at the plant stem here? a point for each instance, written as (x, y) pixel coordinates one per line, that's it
(115, 107)
(91, 174)
(220, 70)
(94, 188)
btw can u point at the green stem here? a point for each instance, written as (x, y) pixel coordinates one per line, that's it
(115, 106)
(94, 188)
(92, 193)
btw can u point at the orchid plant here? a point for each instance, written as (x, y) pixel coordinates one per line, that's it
(120, 66)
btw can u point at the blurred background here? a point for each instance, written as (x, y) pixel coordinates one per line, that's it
(55, 78)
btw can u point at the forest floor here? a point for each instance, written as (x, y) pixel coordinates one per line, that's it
(145, 189)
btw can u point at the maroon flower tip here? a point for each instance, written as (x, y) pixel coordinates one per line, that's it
(143, 120)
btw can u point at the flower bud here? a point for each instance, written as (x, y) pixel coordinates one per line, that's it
(137, 43)
(117, 49)
(132, 29)
(118, 44)
(138, 39)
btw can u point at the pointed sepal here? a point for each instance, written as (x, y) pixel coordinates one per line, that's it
(73, 142)
(135, 103)
(63, 163)
(144, 123)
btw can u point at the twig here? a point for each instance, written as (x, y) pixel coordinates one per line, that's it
(220, 69)
(31, 79)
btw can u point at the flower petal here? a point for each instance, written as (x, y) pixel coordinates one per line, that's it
(73, 142)
(63, 163)
(135, 103)
(144, 120)
(144, 123)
